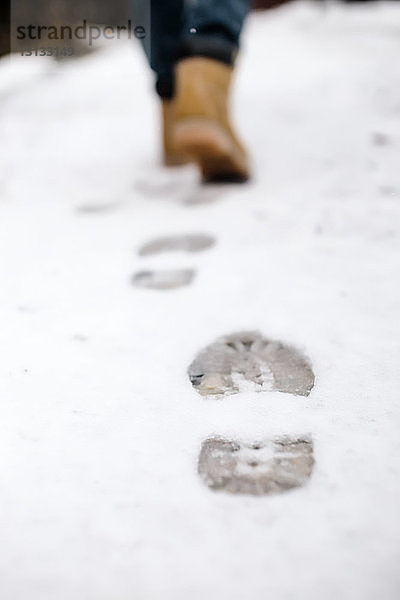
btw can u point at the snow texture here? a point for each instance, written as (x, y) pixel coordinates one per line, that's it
(100, 428)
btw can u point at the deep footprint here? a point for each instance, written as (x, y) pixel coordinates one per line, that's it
(246, 361)
(163, 279)
(256, 468)
(187, 243)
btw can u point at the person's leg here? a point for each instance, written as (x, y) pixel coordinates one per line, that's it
(164, 23)
(192, 49)
(206, 57)
(167, 21)
(188, 27)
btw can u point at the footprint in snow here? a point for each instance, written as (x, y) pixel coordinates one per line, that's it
(185, 242)
(264, 467)
(163, 279)
(97, 209)
(242, 362)
(246, 361)
(180, 185)
(168, 279)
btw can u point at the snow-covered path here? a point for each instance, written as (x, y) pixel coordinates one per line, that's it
(100, 428)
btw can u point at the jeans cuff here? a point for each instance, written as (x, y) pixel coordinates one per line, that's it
(208, 47)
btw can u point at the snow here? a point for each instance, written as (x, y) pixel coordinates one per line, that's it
(100, 428)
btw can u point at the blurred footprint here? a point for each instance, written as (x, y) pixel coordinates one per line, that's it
(246, 361)
(166, 279)
(208, 193)
(257, 468)
(98, 209)
(180, 185)
(187, 243)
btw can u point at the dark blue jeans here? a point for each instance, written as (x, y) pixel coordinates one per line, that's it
(180, 28)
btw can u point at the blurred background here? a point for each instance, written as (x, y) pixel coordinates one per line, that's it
(74, 11)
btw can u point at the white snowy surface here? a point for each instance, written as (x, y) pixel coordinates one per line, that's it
(100, 428)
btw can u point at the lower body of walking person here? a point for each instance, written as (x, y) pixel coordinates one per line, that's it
(192, 48)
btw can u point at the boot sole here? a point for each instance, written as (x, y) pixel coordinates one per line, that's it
(207, 144)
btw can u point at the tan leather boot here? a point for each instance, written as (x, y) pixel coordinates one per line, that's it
(170, 158)
(202, 129)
